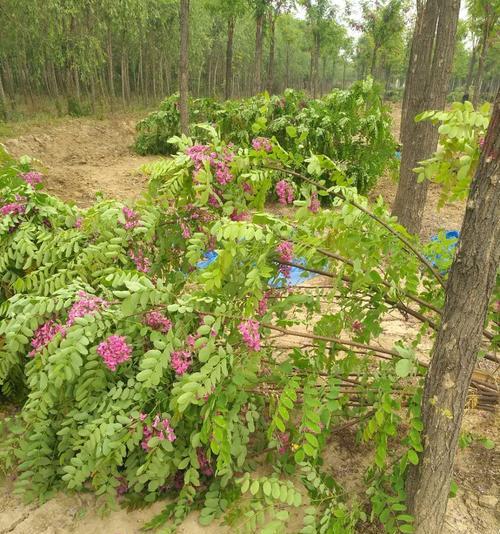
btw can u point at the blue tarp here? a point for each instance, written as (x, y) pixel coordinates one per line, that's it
(452, 236)
(297, 275)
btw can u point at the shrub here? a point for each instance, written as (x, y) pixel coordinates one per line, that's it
(144, 375)
(350, 127)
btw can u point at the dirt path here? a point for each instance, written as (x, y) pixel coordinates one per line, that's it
(84, 156)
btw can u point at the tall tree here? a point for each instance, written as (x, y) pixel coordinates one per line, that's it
(276, 8)
(454, 356)
(381, 24)
(319, 12)
(427, 79)
(260, 10)
(184, 66)
(485, 15)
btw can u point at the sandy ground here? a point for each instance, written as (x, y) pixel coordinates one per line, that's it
(84, 156)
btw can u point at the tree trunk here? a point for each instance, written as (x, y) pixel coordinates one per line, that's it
(343, 74)
(315, 62)
(478, 82)
(469, 288)
(110, 68)
(272, 48)
(229, 58)
(427, 81)
(259, 39)
(184, 66)
(374, 62)
(287, 67)
(470, 70)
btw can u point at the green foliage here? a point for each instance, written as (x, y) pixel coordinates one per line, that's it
(461, 132)
(87, 426)
(344, 126)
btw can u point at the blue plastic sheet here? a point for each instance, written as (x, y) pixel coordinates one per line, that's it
(297, 275)
(452, 235)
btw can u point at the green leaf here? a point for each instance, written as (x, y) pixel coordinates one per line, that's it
(403, 368)
(412, 457)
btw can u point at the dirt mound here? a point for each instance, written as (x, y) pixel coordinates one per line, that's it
(82, 157)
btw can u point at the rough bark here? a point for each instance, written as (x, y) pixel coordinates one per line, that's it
(454, 356)
(427, 82)
(184, 66)
(229, 58)
(259, 41)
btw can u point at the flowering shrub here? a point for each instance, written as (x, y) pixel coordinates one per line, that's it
(175, 381)
(344, 125)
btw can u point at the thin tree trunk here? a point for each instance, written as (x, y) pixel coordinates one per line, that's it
(343, 74)
(480, 69)
(470, 71)
(374, 62)
(426, 86)
(287, 67)
(229, 58)
(3, 100)
(184, 67)
(272, 48)
(259, 39)
(454, 356)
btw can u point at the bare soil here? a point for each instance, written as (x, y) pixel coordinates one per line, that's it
(82, 157)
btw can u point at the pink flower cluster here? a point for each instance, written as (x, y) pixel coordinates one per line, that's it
(247, 188)
(262, 143)
(315, 204)
(284, 441)
(32, 178)
(131, 218)
(180, 361)
(160, 429)
(285, 251)
(78, 223)
(205, 466)
(219, 162)
(284, 190)
(142, 263)
(114, 350)
(44, 334)
(357, 326)
(235, 216)
(250, 332)
(157, 321)
(262, 305)
(185, 230)
(84, 305)
(14, 208)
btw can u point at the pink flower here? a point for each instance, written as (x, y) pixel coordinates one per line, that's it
(78, 222)
(32, 178)
(262, 305)
(235, 216)
(114, 351)
(284, 190)
(247, 188)
(186, 232)
(180, 361)
(284, 441)
(262, 143)
(157, 321)
(44, 334)
(142, 263)
(205, 467)
(250, 332)
(86, 304)
(131, 218)
(14, 208)
(357, 326)
(285, 251)
(315, 203)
